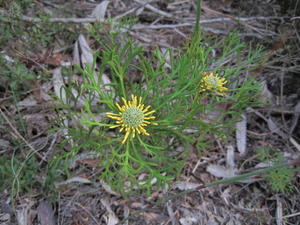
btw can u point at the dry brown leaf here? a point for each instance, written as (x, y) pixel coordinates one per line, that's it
(295, 143)
(171, 212)
(126, 214)
(100, 10)
(55, 60)
(230, 157)
(40, 92)
(106, 81)
(182, 185)
(27, 102)
(5, 218)
(58, 85)
(73, 180)
(187, 221)
(90, 162)
(221, 171)
(112, 218)
(82, 53)
(37, 124)
(190, 217)
(50, 58)
(264, 164)
(82, 156)
(150, 216)
(266, 95)
(279, 212)
(241, 136)
(25, 215)
(295, 118)
(45, 213)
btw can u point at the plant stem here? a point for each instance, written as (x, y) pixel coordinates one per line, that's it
(122, 86)
(198, 14)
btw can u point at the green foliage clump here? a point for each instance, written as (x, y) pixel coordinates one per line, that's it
(187, 118)
(15, 76)
(18, 175)
(280, 179)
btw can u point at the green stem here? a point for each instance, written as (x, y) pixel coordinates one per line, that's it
(194, 102)
(198, 14)
(123, 87)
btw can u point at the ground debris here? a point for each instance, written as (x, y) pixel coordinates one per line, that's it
(84, 199)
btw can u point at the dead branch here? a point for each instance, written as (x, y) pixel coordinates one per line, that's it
(94, 19)
(153, 9)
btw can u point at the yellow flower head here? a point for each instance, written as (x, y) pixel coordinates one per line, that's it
(133, 116)
(212, 82)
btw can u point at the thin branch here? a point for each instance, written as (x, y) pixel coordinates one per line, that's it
(55, 20)
(126, 13)
(160, 26)
(153, 9)
(93, 19)
(294, 18)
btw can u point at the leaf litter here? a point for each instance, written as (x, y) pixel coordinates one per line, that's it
(231, 204)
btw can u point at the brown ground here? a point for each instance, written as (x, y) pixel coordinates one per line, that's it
(273, 24)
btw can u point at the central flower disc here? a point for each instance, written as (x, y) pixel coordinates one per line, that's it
(133, 117)
(212, 81)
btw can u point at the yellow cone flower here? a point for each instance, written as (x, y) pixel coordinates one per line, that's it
(133, 116)
(212, 82)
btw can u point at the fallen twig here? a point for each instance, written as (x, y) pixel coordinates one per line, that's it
(60, 20)
(153, 9)
(241, 20)
(94, 19)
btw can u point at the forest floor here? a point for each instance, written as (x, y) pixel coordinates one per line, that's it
(39, 36)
